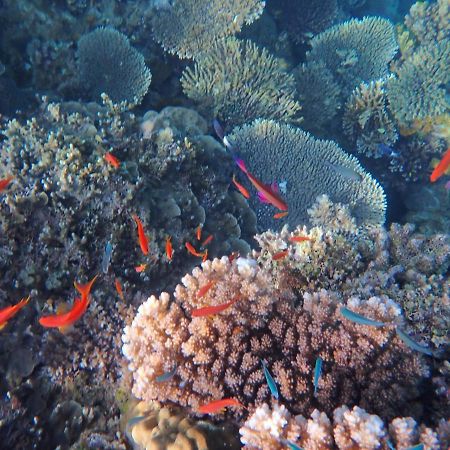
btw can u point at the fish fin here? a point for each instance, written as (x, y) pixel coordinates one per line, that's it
(3, 325)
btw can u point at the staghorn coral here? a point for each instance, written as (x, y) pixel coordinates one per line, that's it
(270, 429)
(367, 120)
(309, 167)
(220, 356)
(420, 89)
(188, 27)
(109, 64)
(237, 82)
(355, 51)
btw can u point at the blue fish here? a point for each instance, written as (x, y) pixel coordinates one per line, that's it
(291, 445)
(416, 447)
(317, 373)
(270, 381)
(165, 376)
(358, 318)
(413, 344)
(106, 257)
(385, 150)
(390, 445)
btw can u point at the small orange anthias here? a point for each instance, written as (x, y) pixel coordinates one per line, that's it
(211, 310)
(10, 311)
(169, 248)
(219, 405)
(4, 183)
(143, 241)
(111, 159)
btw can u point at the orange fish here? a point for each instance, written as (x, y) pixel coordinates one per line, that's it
(207, 240)
(299, 238)
(4, 183)
(190, 248)
(233, 256)
(210, 310)
(240, 188)
(143, 241)
(204, 289)
(441, 168)
(119, 288)
(85, 289)
(217, 405)
(280, 255)
(199, 232)
(112, 160)
(10, 311)
(169, 249)
(140, 268)
(63, 321)
(205, 255)
(280, 215)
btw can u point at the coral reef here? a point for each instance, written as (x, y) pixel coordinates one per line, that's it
(367, 120)
(272, 428)
(309, 167)
(237, 82)
(189, 27)
(109, 64)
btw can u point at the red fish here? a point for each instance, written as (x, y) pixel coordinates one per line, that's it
(280, 255)
(143, 241)
(240, 188)
(190, 248)
(210, 310)
(280, 215)
(62, 321)
(112, 160)
(119, 288)
(233, 256)
(205, 255)
(299, 238)
(442, 167)
(204, 289)
(4, 183)
(10, 311)
(169, 249)
(217, 405)
(207, 240)
(140, 268)
(199, 232)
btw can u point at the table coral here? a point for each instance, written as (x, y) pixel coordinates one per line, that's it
(189, 27)
(236, 82)
(309, 167)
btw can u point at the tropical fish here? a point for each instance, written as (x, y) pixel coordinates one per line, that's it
(344, 171)
(205, 255)
(85, 289)
(140, 268)
(291, 445)
(266, 193)
(280, 255)
(387, 151)
(299, 239)
(204, 289)
(317, 373)
(207, 240)
(233, 256)
(280, 215)
(4, 183)
(143, 241)
(412, 344)
(440, 169)
(416, 447)
(166, 376)
(119, 288)
(270, 381)
(218, 129)
(111, 159)
(106, 257)
(240, 188)
(169, 249)
(358, 318)
(390, 445)
(10, 311)
(198, 233)
(211, 310)
(217, 405)
(62, 321)
(190, 248)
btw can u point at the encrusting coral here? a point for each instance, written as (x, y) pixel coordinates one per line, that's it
(305, 167)
(109, 64)
(236, 82)
(189, 27)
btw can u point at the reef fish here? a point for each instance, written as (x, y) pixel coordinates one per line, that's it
(143, 241)
(291, 445)
(280, 215)
(270, 381)
(62, 321)
(169, 248)
(191, 249)
(198, 233)
(204, 289)
(358, 318)
(387, 151)
(299, 239)
(10, 311)
(413, 344)
(85, 289)
(317, 373)
(106, 257)
(210, 310)
(344, 171)
(166, 376)
(140, 268)
(119, 288)
(280, 255)
(4, 183)
(441, 168)
(207, 240)
(240, 188)
(218, 405)
(111, 159)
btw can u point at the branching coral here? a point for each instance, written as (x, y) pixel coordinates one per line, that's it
(109, 64)
(237, 82)
(310, 168)
(189, 27)
(356, 51)
(367, 119)
(271, 428)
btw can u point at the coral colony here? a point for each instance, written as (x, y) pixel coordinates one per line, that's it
(224, 225)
